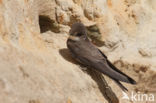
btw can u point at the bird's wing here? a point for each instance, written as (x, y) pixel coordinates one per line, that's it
(84, 51)
(117, 70)
(88, 54)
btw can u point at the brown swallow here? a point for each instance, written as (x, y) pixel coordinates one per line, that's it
(88, 54)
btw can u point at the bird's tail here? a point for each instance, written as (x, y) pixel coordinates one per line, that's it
(129, 79)
(120, 85)
(114, 73)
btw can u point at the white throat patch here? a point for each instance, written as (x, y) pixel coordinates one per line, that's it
(74, 38)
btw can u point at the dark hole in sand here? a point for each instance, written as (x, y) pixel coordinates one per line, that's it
(47, 24)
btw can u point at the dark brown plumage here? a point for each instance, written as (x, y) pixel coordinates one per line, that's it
(86, 53)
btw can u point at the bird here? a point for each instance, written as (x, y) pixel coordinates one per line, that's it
(86, 53)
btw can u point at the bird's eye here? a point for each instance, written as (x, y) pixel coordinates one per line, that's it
(78, 34)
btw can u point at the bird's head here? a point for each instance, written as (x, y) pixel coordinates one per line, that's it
(77, 30)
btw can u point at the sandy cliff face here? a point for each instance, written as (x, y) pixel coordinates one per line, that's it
(36, 67)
